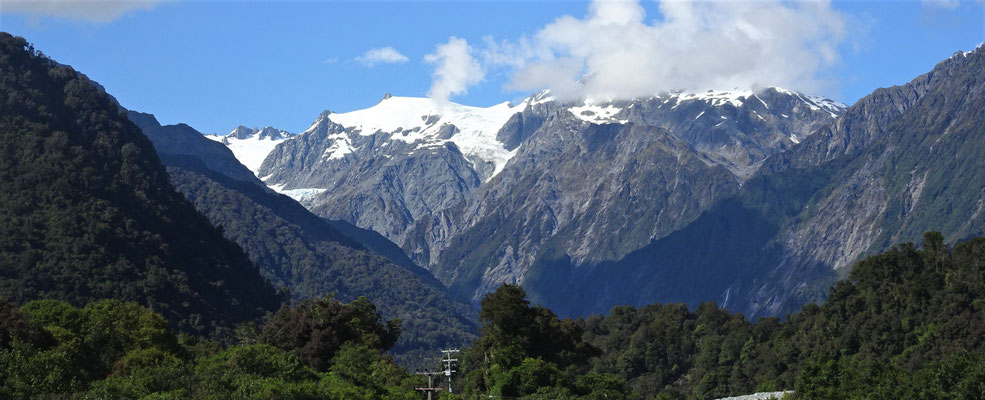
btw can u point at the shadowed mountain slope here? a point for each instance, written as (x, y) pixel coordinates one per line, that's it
(87, 211)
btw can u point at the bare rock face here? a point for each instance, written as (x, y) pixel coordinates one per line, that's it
(481, 196)
(241, 132)
(383, 189)
(642, 182)
(742, 128)
(900, 162)
(903, 161)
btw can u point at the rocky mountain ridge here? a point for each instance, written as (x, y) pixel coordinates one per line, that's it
(792, 187)
(899, 162)
(252, 145)
(435, 178)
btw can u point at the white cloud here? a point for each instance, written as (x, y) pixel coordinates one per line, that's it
(383, 55)
(695, 45)
(455, 69)
(86, 10)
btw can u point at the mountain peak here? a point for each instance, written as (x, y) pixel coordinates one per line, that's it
(967, 53)
(422, 122)
(241, 132)
(386, 96)
(274, 133)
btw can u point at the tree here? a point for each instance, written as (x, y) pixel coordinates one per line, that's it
(315, 330)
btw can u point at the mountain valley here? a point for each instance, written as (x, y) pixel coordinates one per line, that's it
(600, 235)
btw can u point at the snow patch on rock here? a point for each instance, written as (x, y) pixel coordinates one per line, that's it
(423, 120)
(253, 147)
(597, 114)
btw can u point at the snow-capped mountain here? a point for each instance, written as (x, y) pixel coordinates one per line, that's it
(542, 175)
(606, 112)
(596, 180)
(632, 201)
(424, 155)
(738, 128)
(426, 123)
(251, 145)
(901, 161)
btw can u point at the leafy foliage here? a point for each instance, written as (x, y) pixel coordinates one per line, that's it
(87, 211)
(318, 329)
(907, 323)
(114, 349)
(528, 351)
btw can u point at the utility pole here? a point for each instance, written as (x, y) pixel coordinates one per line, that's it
(430, 389)
(448, 371)
(449, 364)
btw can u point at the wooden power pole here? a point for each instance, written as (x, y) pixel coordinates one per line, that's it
(430, 389)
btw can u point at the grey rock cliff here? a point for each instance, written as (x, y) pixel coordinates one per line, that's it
(587, 182)
(900, 162)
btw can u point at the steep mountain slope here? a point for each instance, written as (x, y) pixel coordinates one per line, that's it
(901, 161)
(378, 244)
(924, 171)
(184, 140)
(641, 182)
(300, 251)
(478, 194)
(594, 183)
(385, 167)
(741, 128)
(87, 212)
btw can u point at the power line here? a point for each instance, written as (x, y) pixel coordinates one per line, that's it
(449, 364)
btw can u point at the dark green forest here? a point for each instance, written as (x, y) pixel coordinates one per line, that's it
(87, 211)
(319, 349)
(908, 324)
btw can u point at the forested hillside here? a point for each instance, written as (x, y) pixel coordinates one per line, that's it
(87, 211)
(903, 313)
(305, 254)
(907, 324)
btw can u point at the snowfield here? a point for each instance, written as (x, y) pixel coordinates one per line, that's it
(423, 120)
(253, 149)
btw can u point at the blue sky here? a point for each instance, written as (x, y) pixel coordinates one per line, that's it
(218, 64)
